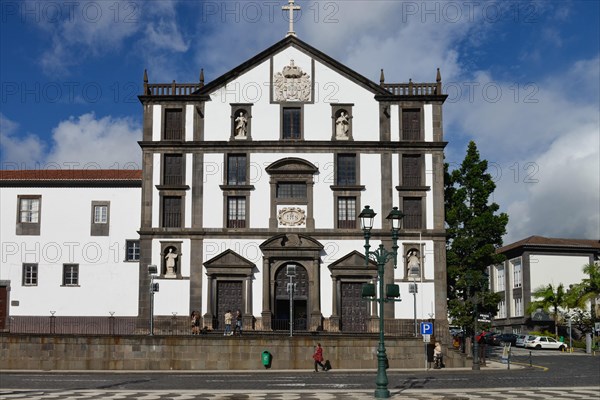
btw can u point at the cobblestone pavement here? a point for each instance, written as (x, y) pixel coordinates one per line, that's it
(581, 393)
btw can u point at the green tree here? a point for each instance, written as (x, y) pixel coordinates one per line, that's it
(587, 291)
(549, 299)
(474, 231)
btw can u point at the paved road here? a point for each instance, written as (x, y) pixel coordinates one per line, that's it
(579, 393)
(552, 376)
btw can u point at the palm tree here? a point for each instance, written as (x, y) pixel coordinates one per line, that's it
(589, 288)
(549, 299)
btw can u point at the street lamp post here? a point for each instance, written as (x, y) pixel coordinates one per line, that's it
(291, 287)
(152, 270)
(381, 256)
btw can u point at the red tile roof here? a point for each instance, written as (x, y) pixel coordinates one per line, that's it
(71, 174)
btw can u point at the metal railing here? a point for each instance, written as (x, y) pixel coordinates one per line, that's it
(180, 326)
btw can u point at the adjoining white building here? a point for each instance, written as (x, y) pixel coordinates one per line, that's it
(260, 172)
(533, 262)
(69, 242)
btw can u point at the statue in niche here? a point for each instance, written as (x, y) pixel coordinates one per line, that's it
(413, 268)
(241, 125)
(342, 124)
(170, 261)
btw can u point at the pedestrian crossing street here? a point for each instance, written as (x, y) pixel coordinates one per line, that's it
(587, 393)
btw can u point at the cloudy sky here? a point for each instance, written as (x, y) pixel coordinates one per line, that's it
(522, 78)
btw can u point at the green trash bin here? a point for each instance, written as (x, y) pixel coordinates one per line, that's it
(266, 359)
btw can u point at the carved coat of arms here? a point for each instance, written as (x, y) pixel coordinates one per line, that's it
(292, 84)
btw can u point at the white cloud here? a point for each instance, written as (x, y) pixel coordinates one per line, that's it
(18, 152)
(108, 142)
(563, 199)
(79, 142)
(543, 145)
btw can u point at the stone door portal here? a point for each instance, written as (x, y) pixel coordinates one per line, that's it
(282, 299)
(229, 297)
(355, 309)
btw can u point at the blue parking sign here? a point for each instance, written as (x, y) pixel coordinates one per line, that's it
(426, 328)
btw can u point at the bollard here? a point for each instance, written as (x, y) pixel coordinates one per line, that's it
(530, 361)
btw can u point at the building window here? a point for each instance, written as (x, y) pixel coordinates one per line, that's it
(292, 123)
(28, 214)
(171, 217)
(501, 309)
(101, 214)
(236, 169)
(411, 170)
(132, 250)
(173, 124)
(346, 212)
(286, 190)
(518, 307)
(70, 274)
(100, 218)
(517, 274)
(499, 279)
(346, 169)
(173, 169)
(413, 213)
(411, 124)
(236, 212)
(30, 274)
(29, 210)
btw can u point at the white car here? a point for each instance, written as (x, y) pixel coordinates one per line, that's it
(521, 339)
(544, 342)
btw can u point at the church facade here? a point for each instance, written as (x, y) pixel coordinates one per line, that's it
(252, 185)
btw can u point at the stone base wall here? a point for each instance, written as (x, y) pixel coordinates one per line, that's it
(210, 352)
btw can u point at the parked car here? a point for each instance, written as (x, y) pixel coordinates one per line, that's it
(489, 337)
(544, 342)
(505, 338)
(521, 339)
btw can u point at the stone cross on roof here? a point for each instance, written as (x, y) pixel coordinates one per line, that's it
(291, 7)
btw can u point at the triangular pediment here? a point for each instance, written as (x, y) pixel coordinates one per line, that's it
(228, 259)
(354, 261)
(292, 41)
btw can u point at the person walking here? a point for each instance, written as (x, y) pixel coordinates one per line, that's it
(318, 357)
(238, 323)
(228, 318)
(438, 356)
(195, 323)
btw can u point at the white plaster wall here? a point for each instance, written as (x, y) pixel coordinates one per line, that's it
(156, 167)
(106, 281)
(395, 123)
(425, 299)
(396, 160)
(429, 195)
(556, 269)
(251, 87)
(189, 122)
(156, 122)
(428, 119)
(332, 87)
(173, 297)
(189, 169)
(212, 211)
(370, 177)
